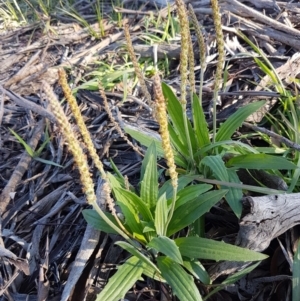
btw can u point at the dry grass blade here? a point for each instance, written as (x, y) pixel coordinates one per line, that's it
(20, 263)
(21, 168)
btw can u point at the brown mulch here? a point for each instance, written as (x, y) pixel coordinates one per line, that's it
(48, 251)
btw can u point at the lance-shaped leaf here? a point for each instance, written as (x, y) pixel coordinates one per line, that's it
(181, 282)
(227, 129)
(190, 211)
(122, 281)
(198, 247)
(149, 183)
(167, 247)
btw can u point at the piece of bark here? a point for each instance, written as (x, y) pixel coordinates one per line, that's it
(267, 217)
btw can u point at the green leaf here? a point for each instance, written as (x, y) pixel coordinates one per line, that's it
(128, 197)
(234, 195)
(188, 213)
(166, 246)
(151, 273)
(47, 162)
(176, 115)
(95, 220)
(197, 270)
(271, 150)
(45, 142)
(118, 175)
(190, 192)
(28, 149)
(200, 124)
(237, 276)
(198, 247)
(177, 143)
(217, 165)
(181, 282)
(262, 190)
(121, 282)
(279, 85)
(135, 252)
(175, 112)
(168, 189)
(129, 202)
(261, 161)
(227, 129)
(114, 182)
(148, 226)
(146, 140)
(224, 143)
(161, 215)
(149, 184)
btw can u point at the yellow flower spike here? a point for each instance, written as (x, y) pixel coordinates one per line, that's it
(185, 46)
(106, 189)
(73, 144)
(220, 41)
(126, 181)
(162, 118)
(219, 70)
(185, 32)
(202, 48)
(191, 68)
(136, 66)
(82, 127)
(79, 158)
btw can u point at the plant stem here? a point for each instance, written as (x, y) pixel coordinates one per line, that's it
(187, 133)
(215, 114)
(170, 215)
(110, 223)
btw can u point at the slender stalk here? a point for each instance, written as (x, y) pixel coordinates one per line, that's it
(185, 41)
(219, 70)
(202, 49)
(191, 70)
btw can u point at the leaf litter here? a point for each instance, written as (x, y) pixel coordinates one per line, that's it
(48, 252)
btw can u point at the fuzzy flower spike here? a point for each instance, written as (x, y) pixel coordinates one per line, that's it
(79, 156)
(162, 118)
(77, 114)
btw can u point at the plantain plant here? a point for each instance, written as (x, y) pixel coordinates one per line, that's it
(152, 216)
(155, 219)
